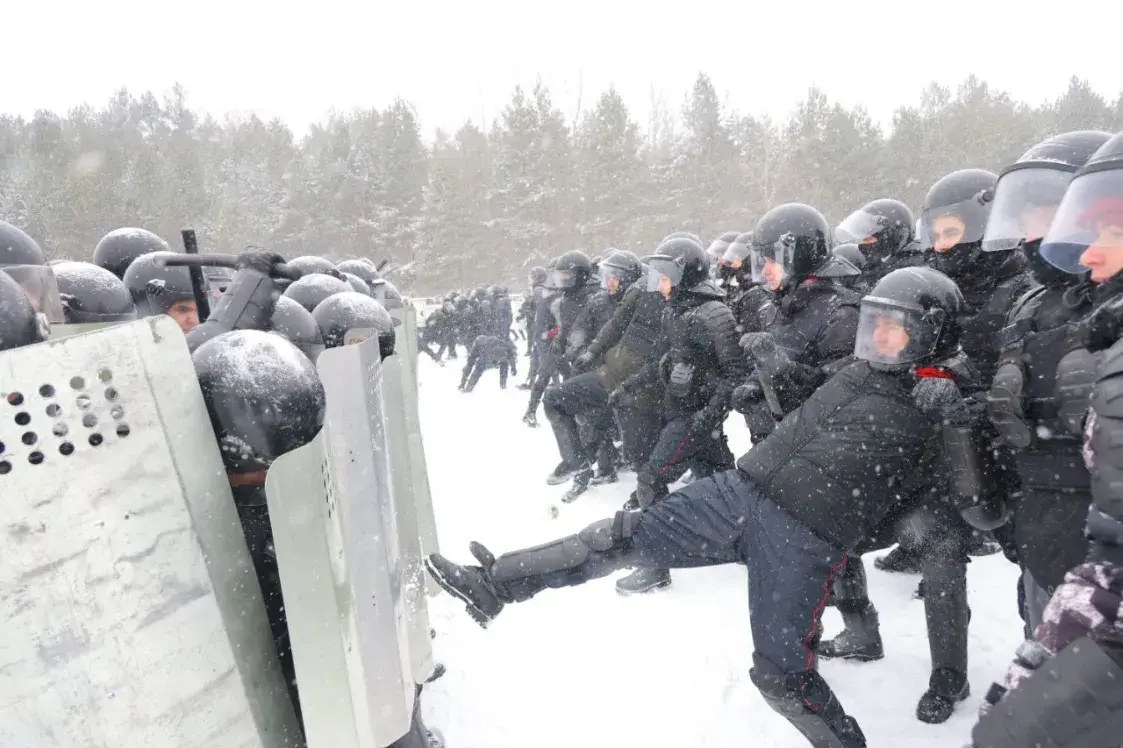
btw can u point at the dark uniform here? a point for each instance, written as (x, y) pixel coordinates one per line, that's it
(489, 352)
(1065, 687)
(795, 506)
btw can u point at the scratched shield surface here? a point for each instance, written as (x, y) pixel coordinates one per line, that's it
(131, 612)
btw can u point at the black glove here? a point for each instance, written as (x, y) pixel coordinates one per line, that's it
(584, 362)
(746, 395)
(705, 421)
(261, 260)
(751, 339)
(768, 357)
(621, 398)
(941, 398)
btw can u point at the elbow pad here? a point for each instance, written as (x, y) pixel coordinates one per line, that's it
(1005, 408)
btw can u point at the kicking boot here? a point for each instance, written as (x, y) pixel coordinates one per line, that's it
(900, 560)
(946, 688)
(531, 419)
(601, 478)
(632, 504)
(564, 471)
(600, 549)
(438, 672)
(860, 640)
(642, 581)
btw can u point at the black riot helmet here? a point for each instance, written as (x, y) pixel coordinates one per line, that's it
(909, 319)
(537, 276)
(735, 260)
(881, 228)
(309, 290)
(851, 253)
(683, 235)
(356, 283)
(91, 294)
(24, 261)
(296, 324)
(572, 270)
(387, 294)
(307, 264)
(116, 250)
(263, 396)
(677, 265)
(363, 268)
(791, 243)
(954, 219)
(619, 270)
(718, 246)
(1028, 194)
(156, 289)
(1086, 235)
(344, 312)
(19, 323)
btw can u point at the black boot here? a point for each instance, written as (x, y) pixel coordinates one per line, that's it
(946, 688)
(901, 560)
(861, 638)
(642, 581)
(572, 454)
(599, 549)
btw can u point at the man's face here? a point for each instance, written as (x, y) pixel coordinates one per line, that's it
(773, 273)
(1105, 255)
(186, 315)
(890, 338)
(947, 231)
(1035, 220)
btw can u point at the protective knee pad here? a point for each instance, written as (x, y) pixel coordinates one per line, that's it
(805, 700)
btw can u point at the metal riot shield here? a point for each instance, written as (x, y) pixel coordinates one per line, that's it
(337, 536)
(397, 395)
(132, 615)
(422, 499)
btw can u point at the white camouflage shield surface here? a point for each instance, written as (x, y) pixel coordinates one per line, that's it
(132, 615)
(336, 530)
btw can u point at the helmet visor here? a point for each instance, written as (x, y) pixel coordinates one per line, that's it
(889, 333)
(947, 226)
(859, 227)
(772, 264)
(735, 255)
(1088, 227)
(1025, 203)
(38, 282)
(612, 277)
(717, 248)
(660, 268)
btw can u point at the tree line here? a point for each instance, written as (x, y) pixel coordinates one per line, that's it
(483, 205)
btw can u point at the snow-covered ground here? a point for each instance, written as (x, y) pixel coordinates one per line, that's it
(584, 667)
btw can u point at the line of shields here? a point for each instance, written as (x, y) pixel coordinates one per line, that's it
(131, 612)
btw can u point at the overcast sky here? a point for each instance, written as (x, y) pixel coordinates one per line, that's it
(460, 59)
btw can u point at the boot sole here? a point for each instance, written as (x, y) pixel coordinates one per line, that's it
(959, 699)
(851, 657)
(477, 615)
(645, 590)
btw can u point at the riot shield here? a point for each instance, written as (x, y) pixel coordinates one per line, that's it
(404, 467)
(132, 614)
(337, 536)
(421, 499)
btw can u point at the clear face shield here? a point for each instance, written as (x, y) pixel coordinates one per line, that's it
(893, 335)
(859, 228)
(947, 226)
(1087, 233)
(1025, 203)
(772, 265)
(663, 275)
(735, 255)
(38, 282)
(561, 279)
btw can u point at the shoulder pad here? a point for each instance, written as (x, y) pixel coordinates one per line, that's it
(837, 267)
(1025, 305)
(708, 288)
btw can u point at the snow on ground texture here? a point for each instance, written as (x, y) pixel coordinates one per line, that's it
(586, 667)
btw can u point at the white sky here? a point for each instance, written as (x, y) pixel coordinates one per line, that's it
(460, 59)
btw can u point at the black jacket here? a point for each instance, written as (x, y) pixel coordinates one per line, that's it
(837, 463)
(990, 290)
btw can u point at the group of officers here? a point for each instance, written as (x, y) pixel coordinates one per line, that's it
(913, 381)
(254, 325)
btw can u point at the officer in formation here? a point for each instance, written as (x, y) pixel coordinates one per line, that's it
(921, 382)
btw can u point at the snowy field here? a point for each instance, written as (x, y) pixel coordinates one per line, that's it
(587, 668)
